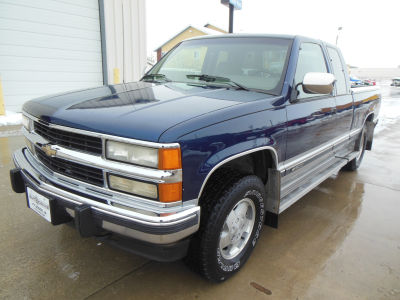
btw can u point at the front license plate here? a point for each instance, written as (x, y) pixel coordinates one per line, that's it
(39, 203)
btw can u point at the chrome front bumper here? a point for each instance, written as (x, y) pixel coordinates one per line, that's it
(162, 228)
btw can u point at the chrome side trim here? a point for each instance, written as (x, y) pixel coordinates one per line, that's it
(297, 160)
(297, 194)
(137, 172)
(275, 158)
(291, 200)
(341, 139)
(288, 164)
(293, 180)
(107, 136)
(355, 132)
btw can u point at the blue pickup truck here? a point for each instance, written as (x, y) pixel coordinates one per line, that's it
(221, 136)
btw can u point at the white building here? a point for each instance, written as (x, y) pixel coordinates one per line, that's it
(49, 47)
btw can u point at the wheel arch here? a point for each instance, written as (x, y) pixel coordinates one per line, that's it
(267, 152)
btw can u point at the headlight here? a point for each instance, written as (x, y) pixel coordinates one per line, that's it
(163, 159)
(133, 154)
(132, 186)
(27, 123)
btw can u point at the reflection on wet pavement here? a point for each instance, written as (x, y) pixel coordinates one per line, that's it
(341, 241)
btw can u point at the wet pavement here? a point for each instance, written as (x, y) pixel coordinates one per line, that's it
(341, 241)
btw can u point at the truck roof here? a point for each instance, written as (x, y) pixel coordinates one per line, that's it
(241, 35)
(261, 35)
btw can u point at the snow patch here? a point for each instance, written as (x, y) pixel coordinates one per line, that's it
(11, 118)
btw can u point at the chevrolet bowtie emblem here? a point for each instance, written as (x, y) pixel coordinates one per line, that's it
(48, 150)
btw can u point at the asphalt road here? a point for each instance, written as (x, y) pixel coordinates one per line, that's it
(341, 241)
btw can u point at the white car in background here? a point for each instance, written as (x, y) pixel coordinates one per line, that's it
(395, 81)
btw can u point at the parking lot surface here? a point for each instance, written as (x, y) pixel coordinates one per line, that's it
(340, 241)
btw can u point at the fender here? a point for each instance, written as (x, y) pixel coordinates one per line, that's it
(208, 148)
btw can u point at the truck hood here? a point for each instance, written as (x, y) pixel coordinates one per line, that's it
(139, 110)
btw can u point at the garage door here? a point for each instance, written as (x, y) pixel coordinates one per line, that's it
(47, 47)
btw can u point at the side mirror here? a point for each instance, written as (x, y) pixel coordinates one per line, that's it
(318, 83)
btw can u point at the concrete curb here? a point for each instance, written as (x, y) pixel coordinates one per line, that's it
(10, 130)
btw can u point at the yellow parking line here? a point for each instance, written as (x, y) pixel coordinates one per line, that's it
(2, 110)
(117, 79)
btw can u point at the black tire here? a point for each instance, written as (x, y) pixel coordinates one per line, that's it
(204, 253)
(360, 146)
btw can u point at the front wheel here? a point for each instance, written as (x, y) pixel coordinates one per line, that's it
(229, 231)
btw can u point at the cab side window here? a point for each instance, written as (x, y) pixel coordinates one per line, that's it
(311, 59)
(338, 71)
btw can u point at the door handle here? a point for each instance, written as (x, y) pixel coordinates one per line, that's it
(317, 115)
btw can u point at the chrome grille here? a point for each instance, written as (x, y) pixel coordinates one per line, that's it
(71, 169)
(69, 139)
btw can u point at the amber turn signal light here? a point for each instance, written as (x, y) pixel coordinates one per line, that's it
(169, 159)
(170, 192)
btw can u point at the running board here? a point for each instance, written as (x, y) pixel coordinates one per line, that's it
(314, 181)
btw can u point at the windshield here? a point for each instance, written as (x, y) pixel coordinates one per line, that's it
(251, 63)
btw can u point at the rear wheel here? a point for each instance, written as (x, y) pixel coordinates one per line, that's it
(361, 144)
(229, 229)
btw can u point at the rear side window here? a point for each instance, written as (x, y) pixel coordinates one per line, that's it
(311, 59)
(338, 71)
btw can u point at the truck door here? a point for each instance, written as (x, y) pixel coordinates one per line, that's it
(311, 122)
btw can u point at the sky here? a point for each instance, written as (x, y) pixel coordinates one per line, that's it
(370, 36)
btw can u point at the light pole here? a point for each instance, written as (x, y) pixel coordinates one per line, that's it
(232, 4)
(337, 35)
(231, 9)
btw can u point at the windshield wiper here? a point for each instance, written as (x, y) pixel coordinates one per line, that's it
(216, 79)
(155, 77)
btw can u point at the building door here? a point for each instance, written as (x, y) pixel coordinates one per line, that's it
(48, 47)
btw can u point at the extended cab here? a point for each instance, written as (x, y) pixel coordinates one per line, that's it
(217, 139)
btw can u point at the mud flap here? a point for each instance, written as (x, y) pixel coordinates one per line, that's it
(273, 188)
(84, 221)
(370, 134)
(17, 182)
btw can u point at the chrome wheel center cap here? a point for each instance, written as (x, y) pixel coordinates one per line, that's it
(237, 229)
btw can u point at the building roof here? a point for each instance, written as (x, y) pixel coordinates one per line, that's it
(211, 26)
(205, 30)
